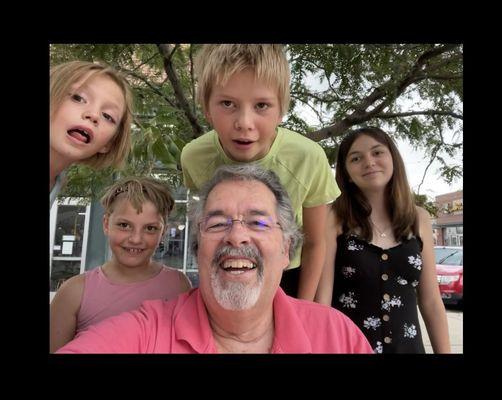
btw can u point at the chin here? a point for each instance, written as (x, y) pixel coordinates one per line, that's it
(242, 158)
(235, 296)
(133, 263)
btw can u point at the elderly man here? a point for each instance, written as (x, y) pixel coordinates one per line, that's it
(244, 234)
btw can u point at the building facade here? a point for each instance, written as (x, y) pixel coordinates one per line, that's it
(449, 225)
(78, 244)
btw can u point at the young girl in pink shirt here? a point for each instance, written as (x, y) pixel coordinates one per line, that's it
(135, 220)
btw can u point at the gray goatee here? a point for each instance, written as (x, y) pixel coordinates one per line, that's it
(236, 295)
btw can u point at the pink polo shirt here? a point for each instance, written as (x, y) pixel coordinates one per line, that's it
(182, 326)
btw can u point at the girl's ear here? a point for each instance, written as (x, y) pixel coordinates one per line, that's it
(106, 222)
(208, 117)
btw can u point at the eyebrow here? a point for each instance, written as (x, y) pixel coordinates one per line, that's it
(227, 96)
(250, 212)
(108, 104)
(358, 151)
(123, 219)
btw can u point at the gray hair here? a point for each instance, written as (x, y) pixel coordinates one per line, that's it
(249, 172)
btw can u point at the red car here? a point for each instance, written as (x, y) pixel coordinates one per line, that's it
(450, 273)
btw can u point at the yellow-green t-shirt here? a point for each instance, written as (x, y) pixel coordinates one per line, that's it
(299, 162)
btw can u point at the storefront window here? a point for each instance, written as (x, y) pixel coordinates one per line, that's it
(174, 249)
(63, 270)
(68, 240)
(68, 237)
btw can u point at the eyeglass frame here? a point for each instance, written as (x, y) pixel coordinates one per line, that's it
(230, 224)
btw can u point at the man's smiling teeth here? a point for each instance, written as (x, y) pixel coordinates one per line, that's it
(237, 266)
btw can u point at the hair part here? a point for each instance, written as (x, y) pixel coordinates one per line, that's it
(352, 206)
(215, 63)
(64, 76)
(138, 190)
(250, 172)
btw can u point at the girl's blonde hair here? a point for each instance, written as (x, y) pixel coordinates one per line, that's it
(138, 190)
(63, 76)
(215, 63)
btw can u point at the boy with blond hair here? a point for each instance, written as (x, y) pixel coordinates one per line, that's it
(244, 92)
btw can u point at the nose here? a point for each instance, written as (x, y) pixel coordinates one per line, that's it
(370, 161)
(244, 120)
(91, 115)
(238, 234)
(135, 236)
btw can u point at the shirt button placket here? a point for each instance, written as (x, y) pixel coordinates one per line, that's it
(387, 333)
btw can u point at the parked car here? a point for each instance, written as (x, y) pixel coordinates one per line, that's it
(450, 273)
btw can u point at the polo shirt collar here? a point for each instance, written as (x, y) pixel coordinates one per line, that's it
(191, 324)
(290, 335)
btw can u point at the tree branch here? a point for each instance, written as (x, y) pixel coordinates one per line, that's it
(337, 129)
(308, 105)
(433, 157)
(167, 51)
(192, 77)
(434, 52)
(445, 77)
(388, 91)
(315, 96)
(156, 89)
(145, 62)
(410, 113)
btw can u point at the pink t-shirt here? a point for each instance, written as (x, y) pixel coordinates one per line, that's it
(102, 298)
(181, 326)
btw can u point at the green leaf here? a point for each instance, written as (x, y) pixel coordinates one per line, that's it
(162, 153)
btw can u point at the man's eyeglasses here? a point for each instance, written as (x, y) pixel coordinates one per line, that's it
(219, 224)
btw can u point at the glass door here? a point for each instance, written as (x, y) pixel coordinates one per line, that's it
(69, 230)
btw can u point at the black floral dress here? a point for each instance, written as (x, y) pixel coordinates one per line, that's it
(376, 288)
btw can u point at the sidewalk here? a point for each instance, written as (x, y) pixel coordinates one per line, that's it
(455, 328)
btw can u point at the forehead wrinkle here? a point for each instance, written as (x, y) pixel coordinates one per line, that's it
(245, 195)
(258, 212)
(214, 213)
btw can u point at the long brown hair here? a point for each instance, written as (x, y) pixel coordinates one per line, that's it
(352, 207)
